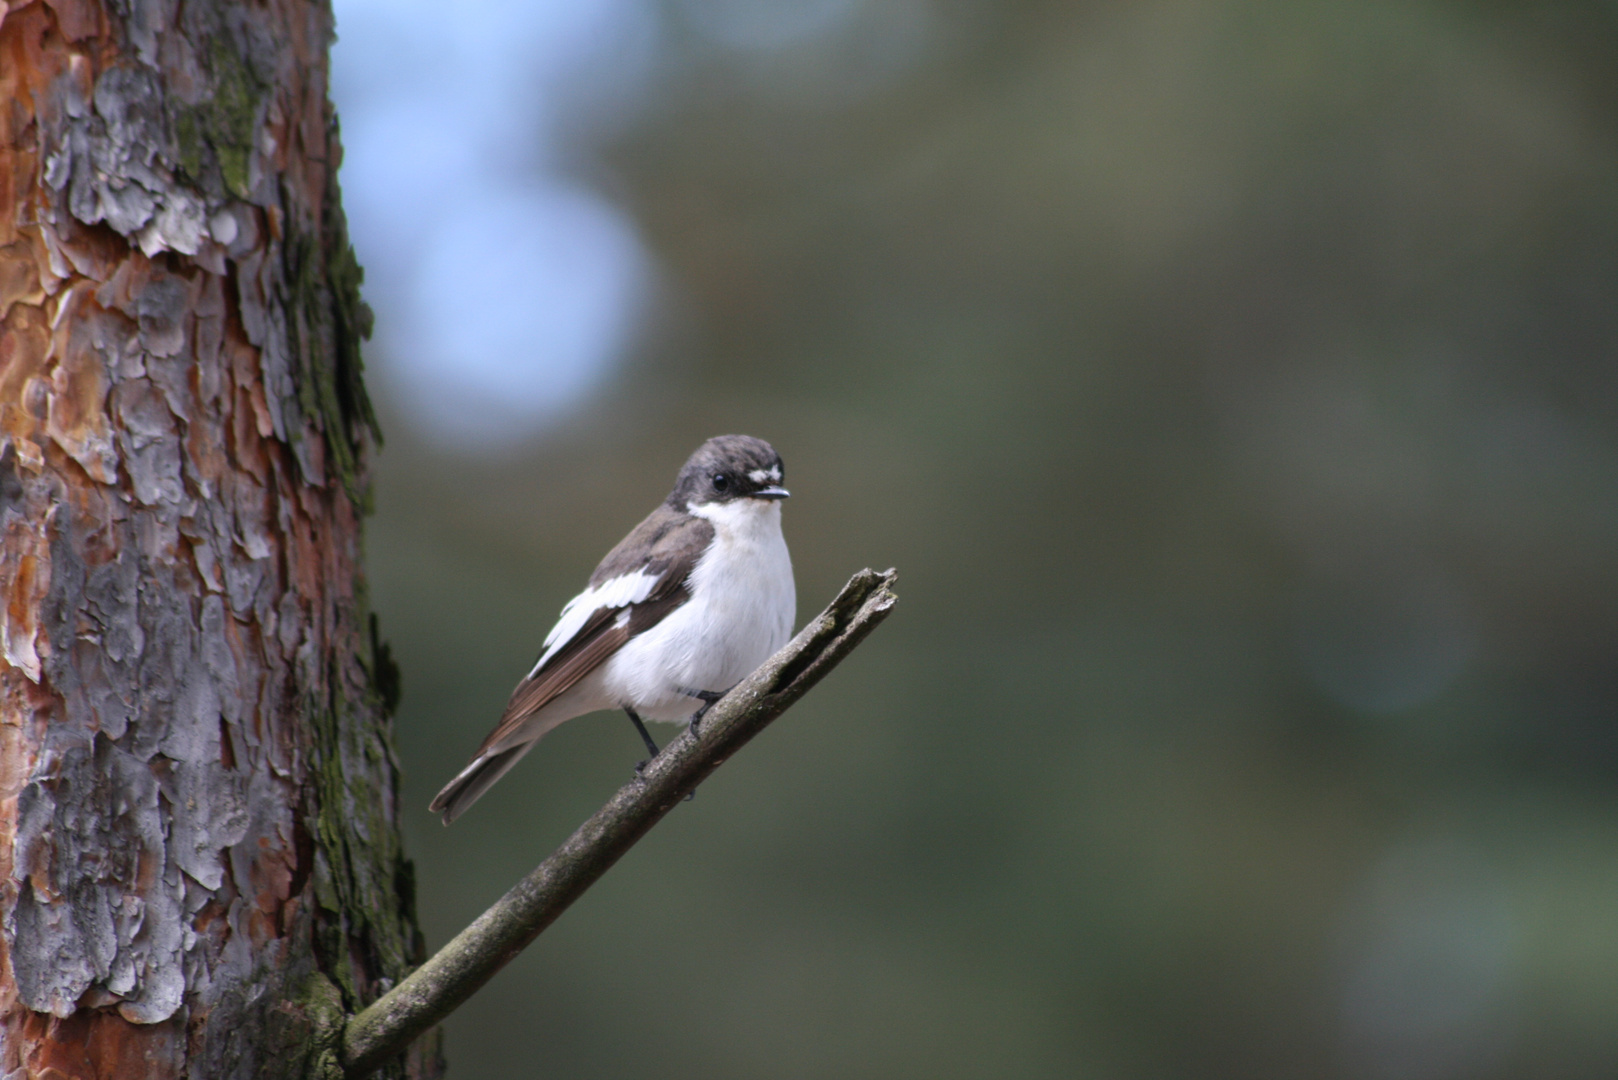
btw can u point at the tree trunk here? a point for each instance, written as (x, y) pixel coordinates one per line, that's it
(200, 868)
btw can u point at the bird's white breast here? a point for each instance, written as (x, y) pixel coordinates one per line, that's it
(741, 609)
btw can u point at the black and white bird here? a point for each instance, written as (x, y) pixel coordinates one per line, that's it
(686, 606)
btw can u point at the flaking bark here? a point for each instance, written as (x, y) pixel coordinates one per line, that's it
(200, 870)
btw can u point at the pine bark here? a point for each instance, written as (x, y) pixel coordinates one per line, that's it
(200, 867)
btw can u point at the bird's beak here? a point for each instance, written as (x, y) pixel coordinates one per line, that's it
(774, 491)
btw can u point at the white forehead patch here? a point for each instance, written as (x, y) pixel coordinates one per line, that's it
(772, 474)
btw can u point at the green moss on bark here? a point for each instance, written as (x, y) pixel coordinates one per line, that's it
(366, 933)
(215, 137)
(333, 319)
(303, 1033)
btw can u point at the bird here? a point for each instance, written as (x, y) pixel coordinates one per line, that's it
(687, 605)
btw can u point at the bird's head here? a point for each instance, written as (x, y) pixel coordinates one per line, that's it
(727, 468)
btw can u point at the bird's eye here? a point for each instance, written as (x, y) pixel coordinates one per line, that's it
(721, 482)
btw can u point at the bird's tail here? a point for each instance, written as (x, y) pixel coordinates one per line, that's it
(471, 782)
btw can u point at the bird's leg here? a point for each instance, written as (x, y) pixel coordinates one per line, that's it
(646, 737)
(650, 746)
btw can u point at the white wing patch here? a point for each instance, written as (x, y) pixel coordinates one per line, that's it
(618, 592)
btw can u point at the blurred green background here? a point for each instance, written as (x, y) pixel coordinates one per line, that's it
(1233, 385)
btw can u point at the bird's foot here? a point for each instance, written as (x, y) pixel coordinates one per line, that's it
(708, 698)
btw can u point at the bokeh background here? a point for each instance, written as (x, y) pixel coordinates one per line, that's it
(1233, 384)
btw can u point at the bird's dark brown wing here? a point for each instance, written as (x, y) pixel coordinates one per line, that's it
(667, 540)
(666, 546)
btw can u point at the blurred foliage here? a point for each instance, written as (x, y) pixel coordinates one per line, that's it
(1233, 385)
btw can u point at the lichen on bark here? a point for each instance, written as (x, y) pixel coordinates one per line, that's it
(200, 869)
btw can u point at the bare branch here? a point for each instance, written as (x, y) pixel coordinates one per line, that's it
(457, 970)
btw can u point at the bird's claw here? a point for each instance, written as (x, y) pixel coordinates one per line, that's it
(709, 698)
